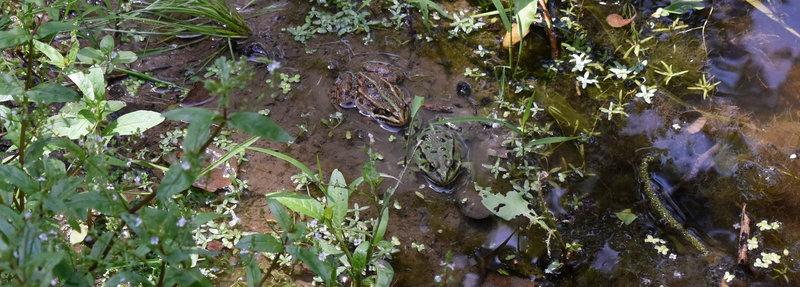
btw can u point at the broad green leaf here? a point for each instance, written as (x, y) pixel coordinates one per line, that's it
(253, 273)
(48, 92)
(107, 44)
(13, 37)
(190, 115)
(124, 57)
(90, 56)
(310, 258)
(415, 105)
(92, 200)
(72, 128)
(626, 216)
(360, 256)
(134, 122)
(299, 203)
(53, 56)
(338, 198)
(258, 125)
(508, 206)
(131, 278)
(10, 87)
(682, 6)
(281, 216)
(261, 243)
(53, 27)
(17, 177)
(526, 15)
(382, 225)
(385, 273)
(185, 277)
(176, 179)
(92, 84)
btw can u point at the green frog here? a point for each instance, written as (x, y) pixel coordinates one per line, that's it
(439, 155)
(375, 92)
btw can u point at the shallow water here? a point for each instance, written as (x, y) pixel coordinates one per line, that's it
(739, 154)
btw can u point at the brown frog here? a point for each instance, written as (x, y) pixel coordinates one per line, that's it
(374, 91)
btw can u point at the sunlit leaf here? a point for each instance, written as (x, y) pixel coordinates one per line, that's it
(508, 206)
(134, 122)
(300, 203)
(385, 273)
(359, 261)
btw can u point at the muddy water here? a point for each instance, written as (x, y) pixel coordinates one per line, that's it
(739, 153)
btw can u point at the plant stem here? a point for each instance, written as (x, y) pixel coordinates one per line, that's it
(161, 276)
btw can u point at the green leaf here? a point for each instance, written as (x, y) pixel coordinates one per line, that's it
(526, 15)
(261, 243)
(508, 206)
(185, 277)
(385, 273)
(132, 278)
(626, 216)
(70, 127)
(92, 84)
(299, 203)
(683, 6)
(550, 140)
(48, 93)
(92, 200)
(197, 133)
(13, 37)
(107, 44)
(502, 11)
(338, 198)
(258, 125)
(176, 179)
(10, 87)
(17, 177)
(310, 258)
(253, 273)
(133, 123)
(415, 105)
(124, 57)
(281, 216)
(53, 27)
(360, 256)
(382, 225)
(90, 56)
(53, 56)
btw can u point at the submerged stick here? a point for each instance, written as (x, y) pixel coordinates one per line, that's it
(658, 206)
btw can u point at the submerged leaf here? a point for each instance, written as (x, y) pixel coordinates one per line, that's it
(616, 20)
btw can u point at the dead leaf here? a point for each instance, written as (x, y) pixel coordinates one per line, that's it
(744, 234)
(616, 20)
(513, 37)
(697, 125)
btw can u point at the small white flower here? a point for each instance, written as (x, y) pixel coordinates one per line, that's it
(580, 61)
(43, 237)
(243, 251)
(154, 240)
(752, 243)
(646, 93)
(321, 256)
(728, 277)
(185, 165)
(41, 178)
(181, 222)
(793, 156)
(672, 256)
(437, 278)
(137, 222)
(586, 80)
